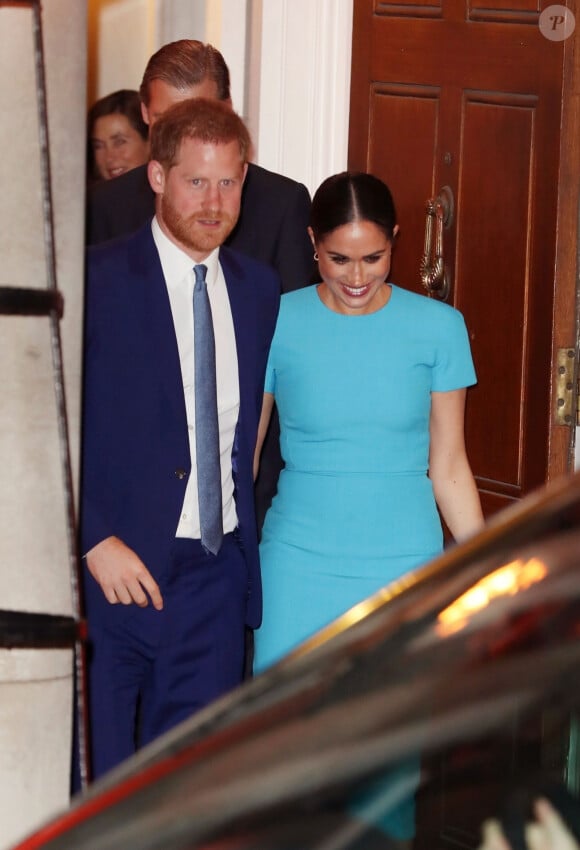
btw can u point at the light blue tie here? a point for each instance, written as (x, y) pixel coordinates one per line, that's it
(209, 487)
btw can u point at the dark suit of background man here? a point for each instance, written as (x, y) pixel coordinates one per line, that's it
(275, 210)
(166, 617)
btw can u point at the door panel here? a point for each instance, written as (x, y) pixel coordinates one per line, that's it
(507, 11)
(461, 95)
(488, 243)
(403, 147)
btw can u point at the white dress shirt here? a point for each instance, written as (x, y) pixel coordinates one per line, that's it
(180, 279)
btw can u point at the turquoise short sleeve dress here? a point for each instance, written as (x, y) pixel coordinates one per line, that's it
(355, 507)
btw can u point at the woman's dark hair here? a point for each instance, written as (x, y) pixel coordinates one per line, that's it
(352, 196)
(125, 102)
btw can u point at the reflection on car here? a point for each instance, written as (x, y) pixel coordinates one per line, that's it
(470, 665)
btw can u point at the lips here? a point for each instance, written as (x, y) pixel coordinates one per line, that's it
(356, 292)
(209, 222)
(208, 219)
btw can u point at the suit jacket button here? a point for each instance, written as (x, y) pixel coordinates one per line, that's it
(180, 473)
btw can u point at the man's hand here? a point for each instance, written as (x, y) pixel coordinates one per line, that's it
(122, 575)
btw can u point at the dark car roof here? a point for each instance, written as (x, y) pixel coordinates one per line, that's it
(446, 655)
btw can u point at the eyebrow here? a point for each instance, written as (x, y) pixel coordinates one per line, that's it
(376, 253)
(118, 135)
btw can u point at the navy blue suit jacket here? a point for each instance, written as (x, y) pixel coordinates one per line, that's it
(136, 457)
(272, 228)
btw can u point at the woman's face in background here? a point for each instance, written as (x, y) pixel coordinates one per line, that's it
(117, 146)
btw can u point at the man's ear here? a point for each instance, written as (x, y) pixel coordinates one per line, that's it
(245, 172)
(156, 175)
(311, 234)
(144, 112)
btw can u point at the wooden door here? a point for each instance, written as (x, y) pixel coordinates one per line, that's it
(468, 95)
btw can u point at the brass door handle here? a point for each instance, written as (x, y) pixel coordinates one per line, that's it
(432, 270)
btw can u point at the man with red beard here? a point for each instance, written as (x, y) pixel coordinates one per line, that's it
(169, 585)
(273, 221)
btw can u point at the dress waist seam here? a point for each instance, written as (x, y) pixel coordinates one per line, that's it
(333, 473)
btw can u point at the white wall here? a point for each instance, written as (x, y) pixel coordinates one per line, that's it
(36, 685)
(177, 19)
(121, 59)
(227, 30)
(219, 22)
(125, 39)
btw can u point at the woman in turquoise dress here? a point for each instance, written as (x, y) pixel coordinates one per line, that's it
(369, 380)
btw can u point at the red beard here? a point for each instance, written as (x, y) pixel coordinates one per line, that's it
(197, 237)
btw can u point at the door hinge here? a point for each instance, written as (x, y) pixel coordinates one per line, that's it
(566, 390)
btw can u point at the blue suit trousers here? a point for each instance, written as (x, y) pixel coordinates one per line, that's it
(152, 669)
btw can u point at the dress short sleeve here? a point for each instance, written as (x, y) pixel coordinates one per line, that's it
(453, 366)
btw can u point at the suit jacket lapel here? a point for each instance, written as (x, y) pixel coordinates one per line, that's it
(243, 318)
(153, 307)
(154, 311)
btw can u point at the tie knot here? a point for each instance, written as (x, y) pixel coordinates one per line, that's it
(200, 272)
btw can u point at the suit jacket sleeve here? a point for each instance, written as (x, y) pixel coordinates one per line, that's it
(294, 252)
(119, 207)
(98, 425)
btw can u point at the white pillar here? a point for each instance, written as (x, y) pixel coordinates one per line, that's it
(299, 86)
(36, 686)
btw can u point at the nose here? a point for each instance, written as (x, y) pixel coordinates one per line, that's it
(213, 196)
(110, 156)
(357, 273)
